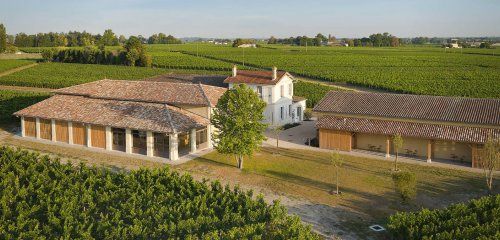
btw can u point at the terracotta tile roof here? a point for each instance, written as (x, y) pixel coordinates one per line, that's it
(147, 91)
(255, 77)
(431, 108)
(408, 129)
(121, 114)
(212, 80)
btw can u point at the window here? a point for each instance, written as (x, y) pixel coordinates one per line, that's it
(259, 91)
(282, 88)
(290, 110)
(290, 89)
(139, 142)
(270, 96)
(161, 145)
(202, 138)
(118, 139)
(282, 112)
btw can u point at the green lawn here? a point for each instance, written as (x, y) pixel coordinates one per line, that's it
(11, 64)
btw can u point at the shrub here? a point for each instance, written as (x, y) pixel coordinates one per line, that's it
(476, 219)
(307, 114)
(47, 55)
(405, 184)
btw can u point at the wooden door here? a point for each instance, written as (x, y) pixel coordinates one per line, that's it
(29, 127)
(333, 139)
(98, 136)
(79, 134)
(46, 129)
(62, 134)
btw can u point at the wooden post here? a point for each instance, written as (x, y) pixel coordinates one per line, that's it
(37, 127)
(174, 146)
(109, 138)
(150, 143)
(429, 151)
(23, 128)
(209, 136)
(70, 132)
(128, 141)
(53, 130)
(388, 147)
(89, 132)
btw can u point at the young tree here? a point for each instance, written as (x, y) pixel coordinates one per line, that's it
(490, 160)
(238, 120)
(405, 184)
(397, 142)
(336, 160)
(277, 131)
(3, 39)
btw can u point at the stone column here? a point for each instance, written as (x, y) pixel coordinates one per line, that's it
(150, 143)
(174, 146)
(37, 127)
(23, 129)
(53, 130)
(429, 151)
(192, 140)
(128, 141)
(209, 136)
(109, 138)
(388, 147)
(88, 127)
(70, 133)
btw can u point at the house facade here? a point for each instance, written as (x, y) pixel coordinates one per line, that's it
(433, 127)
(155, 119)
(275, 88)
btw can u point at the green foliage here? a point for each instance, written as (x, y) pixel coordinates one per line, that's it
(47, 55)
(108, 38)
(44, 199)
(12, 101)
(161, 38)
(490, 160)
(237, 118)
(397, 143)
(11, 64)
(239, 41)
(476, 219)
(3, 39)
(308, 114)
(314, 92)
(58, 75)
(405, 184)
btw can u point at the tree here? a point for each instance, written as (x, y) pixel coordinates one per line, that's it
(485, 45)
(109, 38)
(122, 39)
(238, 119)
(397, 142)
(336, 160)
(272, 40)
(405, 184)
(277, 131)
(3, 39)
(490, 160)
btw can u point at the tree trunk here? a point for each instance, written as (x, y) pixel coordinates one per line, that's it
(240, 161)
(337, 177)
(489, 181)
(396, 161)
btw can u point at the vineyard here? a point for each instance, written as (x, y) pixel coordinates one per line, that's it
(11, 64)
(12, 101)
(477, 219)
(312, 91)
(57, 75)
(470, 73)
(42, 198)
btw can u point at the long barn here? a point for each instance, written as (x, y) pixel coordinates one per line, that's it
(156, 119)
(433, 127)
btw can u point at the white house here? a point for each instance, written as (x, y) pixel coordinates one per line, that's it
(276, 89)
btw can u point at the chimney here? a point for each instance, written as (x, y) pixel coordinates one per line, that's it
(275, 73)
(235, 71)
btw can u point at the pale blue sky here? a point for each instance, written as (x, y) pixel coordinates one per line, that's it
(255, 18)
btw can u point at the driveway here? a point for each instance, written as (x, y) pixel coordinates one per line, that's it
(297, 135)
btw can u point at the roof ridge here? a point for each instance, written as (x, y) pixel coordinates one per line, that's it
(205, 95)
(170, 118)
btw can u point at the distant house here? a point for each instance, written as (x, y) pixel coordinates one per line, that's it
(156, 119)
(433, 127)
(454, 43)
(276, 89)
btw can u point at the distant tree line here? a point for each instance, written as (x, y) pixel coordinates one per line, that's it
(375, 40)
(82, 39)
(133, 54)
(240, 41)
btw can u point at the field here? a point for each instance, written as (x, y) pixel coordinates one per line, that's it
(12, 101)
(57, 75)
(418, 70)
(42, 198)
(10, 64)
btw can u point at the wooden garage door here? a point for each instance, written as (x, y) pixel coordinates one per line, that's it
(30, 127)
(46, 129)
(98, 136)
(79, 134)
(62, 134)
(333, 139)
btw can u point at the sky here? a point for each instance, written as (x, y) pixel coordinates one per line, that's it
(255, 18)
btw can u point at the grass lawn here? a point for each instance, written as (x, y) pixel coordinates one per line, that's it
(366, 184)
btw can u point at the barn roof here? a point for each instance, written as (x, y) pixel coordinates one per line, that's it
(474, 111)
(255, 77)
(146, 116)
(408, 129)
(148, 91)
